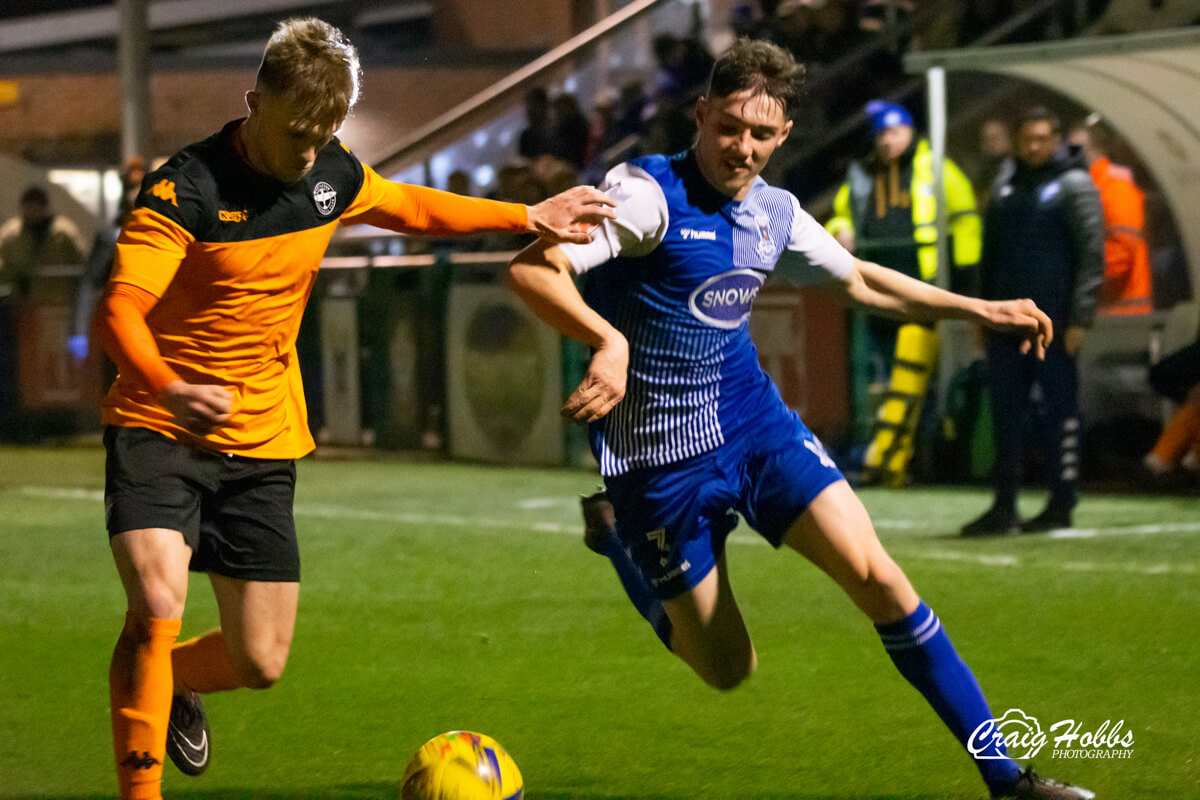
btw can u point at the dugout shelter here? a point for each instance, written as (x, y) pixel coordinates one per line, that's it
(1147, 88)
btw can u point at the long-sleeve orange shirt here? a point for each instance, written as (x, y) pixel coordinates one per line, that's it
(1126, 288)
(213, 271)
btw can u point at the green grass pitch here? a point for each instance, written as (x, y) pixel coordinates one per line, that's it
(442, 596)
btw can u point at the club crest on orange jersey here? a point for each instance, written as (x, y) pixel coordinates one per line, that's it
(325, 197)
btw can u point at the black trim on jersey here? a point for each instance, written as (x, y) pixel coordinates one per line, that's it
(217, 197)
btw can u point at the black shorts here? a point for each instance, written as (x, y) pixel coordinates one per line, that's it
(234, 512)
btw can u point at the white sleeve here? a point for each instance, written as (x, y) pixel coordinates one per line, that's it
(640, 225)
(812, 254)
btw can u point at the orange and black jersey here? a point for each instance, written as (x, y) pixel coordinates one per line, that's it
(231, 256)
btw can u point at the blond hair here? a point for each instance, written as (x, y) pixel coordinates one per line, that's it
(313, 65)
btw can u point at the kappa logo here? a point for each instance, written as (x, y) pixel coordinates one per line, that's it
(165, 190)
(143, 761)
(232, 216)
(325, 197)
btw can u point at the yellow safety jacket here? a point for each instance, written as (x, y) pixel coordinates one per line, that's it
(850, 208)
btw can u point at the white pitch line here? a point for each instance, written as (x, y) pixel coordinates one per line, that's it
(62, 493)
(1125, 530)
(334, 512)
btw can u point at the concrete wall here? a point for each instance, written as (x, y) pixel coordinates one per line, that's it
(504, 24)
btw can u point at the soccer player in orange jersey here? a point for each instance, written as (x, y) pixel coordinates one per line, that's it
(207, 415)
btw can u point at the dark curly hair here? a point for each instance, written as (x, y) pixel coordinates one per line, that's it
(762, 67)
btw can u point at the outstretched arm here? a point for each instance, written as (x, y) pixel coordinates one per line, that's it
(541, 276)
(893, 294)
(565, 217)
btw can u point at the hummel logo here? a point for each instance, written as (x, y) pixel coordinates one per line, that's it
(144, 761)
(690, 233)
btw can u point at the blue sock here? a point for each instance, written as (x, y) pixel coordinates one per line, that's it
(922, 651)
(643, 597)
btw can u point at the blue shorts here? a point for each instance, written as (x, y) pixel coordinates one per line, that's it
(674, 519)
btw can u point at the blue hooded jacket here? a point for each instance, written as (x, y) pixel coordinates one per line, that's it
(1043, 238)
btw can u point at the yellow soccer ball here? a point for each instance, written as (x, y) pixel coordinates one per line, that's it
(461, 765)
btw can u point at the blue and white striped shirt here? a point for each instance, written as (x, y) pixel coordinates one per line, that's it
(683, 265)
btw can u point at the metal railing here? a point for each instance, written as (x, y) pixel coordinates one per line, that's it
(463, 119)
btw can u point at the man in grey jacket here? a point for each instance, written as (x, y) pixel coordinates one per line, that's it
(1043, 239)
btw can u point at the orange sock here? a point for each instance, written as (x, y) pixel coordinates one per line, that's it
(1180, 434)
(140, 688)
(202, 664)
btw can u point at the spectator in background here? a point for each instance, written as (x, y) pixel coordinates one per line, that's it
(601, 134)
(554, 175)
(631, 113)
(683, 66)
(886, 212)
(981, 16)
(100, 260)
(992, 157)
(1177, 378)
(459, 182)
(1044, 240)
(35, 239)
(1179, 445)
(746, 21)
(515, 183)
(29, 242)
(568, 130)
(670, 127)
(887, 17)
(817, 31)
(538, 137)
(1126, 288)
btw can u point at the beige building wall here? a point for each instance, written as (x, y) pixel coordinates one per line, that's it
(75, 118)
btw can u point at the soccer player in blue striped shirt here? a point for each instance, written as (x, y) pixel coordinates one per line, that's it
(690, 431)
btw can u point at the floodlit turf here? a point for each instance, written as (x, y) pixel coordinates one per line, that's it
(441, 596)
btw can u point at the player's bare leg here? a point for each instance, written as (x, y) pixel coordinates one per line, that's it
(258, 619)
(708, 631)
(152, 564)
(250, 650)
(836, 534)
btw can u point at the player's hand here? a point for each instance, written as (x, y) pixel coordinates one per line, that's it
(196, 406)
(1023, 318)
(570, 216)
(603, 384)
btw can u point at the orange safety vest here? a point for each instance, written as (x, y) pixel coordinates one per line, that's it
(1126, 287)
